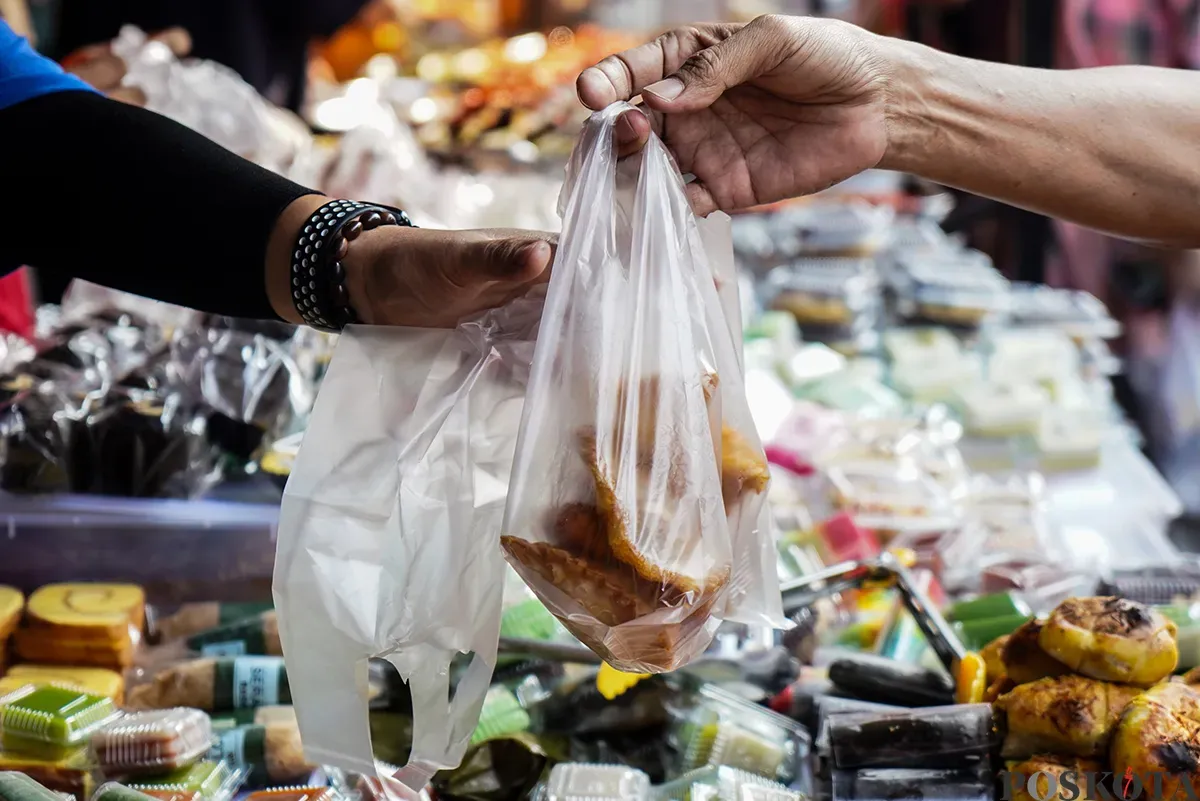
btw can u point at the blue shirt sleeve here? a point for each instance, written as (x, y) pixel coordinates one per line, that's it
(24, 74)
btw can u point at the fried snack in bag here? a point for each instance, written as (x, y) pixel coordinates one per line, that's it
(637, 506)
(389, 535)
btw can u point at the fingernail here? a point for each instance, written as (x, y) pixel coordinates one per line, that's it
(537, 253)
(668, 89)
(625, 131)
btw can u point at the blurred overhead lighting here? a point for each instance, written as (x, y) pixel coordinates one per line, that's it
(423, 110)
(525, 49)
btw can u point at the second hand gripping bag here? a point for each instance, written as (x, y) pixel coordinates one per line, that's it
(388, 534)
(637, 505)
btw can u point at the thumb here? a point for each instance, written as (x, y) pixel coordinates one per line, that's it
(705, 76)
(509, 256)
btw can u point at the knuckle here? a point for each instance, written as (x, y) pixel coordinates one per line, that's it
(705, 66)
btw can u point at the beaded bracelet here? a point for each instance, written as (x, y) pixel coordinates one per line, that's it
(319, 290)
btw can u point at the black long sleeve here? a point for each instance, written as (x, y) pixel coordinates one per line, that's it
(127, 198)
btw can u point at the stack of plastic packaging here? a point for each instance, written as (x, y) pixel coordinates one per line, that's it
(123, 397)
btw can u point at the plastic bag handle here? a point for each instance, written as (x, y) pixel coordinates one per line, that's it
(440, 733)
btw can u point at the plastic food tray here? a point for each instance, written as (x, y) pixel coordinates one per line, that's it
(178, 551)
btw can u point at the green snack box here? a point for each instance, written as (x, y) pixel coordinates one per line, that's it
(112, 791)
(212, 780)
(19, 787)
(502, 716)
(1001, 604)
(976, 634)
(50, 721)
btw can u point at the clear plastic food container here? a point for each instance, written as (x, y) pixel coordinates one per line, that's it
(716, 728)
(153, 741)
(579, 782)
(50, 721)
(998, 410)
(825, 292)
(891, 496)
(1077, 314)
(843, 229)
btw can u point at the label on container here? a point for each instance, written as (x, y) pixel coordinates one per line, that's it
(236, 639)
(256, 681)
(243, 747)
(228, 648)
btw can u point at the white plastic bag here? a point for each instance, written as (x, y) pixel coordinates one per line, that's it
(388, 534)
(637, 510)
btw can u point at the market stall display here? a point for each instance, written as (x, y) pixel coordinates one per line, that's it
(971, 548)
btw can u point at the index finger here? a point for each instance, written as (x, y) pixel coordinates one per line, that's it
(623, 75)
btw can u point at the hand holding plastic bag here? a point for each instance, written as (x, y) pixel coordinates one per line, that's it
(636, 509)
(389, 528)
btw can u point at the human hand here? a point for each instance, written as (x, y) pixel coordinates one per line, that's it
(419, 277)
(776, 108)
(103, 70)
(434, 279)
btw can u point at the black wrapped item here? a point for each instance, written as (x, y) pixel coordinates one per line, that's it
(885, 681)
(33, 437)
(913, 784)
(143, 448)
(249, 383)
(938, 737)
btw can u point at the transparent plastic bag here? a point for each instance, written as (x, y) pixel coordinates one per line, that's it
(388, 534)
(637, 510)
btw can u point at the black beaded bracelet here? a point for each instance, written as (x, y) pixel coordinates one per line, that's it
(319, 290)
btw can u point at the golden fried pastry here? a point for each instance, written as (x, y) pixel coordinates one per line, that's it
(685, 571)
(993, 658)
(1112, 639)
(614, 594)
(997, 688)
(743, 470)
(1024, 659)
(1159, 735)
(1065, 715)
(1191, 677)
(1067, 771)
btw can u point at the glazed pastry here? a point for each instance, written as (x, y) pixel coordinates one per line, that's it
(1063, 715)
(1159, 735)
(1112, 639)
(1024, 659)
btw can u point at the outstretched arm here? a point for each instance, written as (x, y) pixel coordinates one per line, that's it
(1116, 149)
(786, 106)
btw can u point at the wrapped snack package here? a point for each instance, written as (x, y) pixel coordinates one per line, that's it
(195, 618)
(636, 413)
(215, 685)
(270, 753)
(51, 722)
(153, 741)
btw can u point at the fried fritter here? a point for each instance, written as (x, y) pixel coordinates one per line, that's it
(1070, 776)
(743, 469)
(614, 594)
(1064, 715)
(993, 657)
(1112, 639)
(1159, 735)
(1024, 659)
